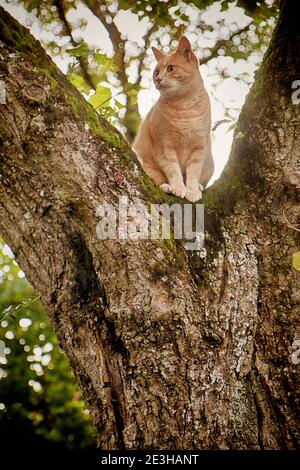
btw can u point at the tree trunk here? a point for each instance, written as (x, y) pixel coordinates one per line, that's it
(173, 349)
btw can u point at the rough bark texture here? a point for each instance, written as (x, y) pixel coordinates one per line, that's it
(172, 350)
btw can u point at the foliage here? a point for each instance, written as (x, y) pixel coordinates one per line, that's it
(38, 396)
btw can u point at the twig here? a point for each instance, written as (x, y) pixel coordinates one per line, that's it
(142, 55)
(218, 123)
(82, 61)
(18, 307)
(289, 223)
(221, 43)
(114, 35)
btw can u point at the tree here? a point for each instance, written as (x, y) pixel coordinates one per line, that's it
(112, 79)
(173, 349)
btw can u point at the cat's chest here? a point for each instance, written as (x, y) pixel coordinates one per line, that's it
(187, 129)
(181, 127)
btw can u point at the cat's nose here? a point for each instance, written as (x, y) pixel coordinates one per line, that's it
(158, 79)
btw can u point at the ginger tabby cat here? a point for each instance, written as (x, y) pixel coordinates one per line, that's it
(173, 144)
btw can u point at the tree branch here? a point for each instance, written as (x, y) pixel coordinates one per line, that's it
(115, 37)
(222, 43)
(83, 62)
(141, 57)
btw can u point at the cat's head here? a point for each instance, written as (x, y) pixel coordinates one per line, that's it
(175, 73)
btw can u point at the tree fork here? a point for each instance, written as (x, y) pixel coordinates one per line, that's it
(172, 350)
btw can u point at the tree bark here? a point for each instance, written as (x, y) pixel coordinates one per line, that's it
(172, 349)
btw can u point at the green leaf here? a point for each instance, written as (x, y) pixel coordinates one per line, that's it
(100, 97)
(79, 51)
(124, 5)
(107, 64)
(79, 83)
(119, 105)
(296, 261)
(133, 95)
(224, 5)
(101, 59)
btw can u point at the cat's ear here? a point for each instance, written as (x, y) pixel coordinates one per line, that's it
(185, 49)
(158, 55)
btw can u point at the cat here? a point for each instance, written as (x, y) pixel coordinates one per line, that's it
(173, 144)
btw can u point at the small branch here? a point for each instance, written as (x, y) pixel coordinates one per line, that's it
(11, 310)
(289, 223)
(221, 43)
(82, 61)
(114, 35)
(142, 55)
(218, 123)
(119, 54)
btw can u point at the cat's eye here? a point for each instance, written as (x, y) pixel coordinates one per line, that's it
(156, 72)
(170, 68)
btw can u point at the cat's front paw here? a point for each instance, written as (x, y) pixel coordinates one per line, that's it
(166, 187)
(176, 190)
(193, 195)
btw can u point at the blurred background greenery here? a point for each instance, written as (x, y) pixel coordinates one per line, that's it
(40, 402)
(104, 48)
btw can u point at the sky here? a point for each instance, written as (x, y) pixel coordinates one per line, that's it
(228, 91)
